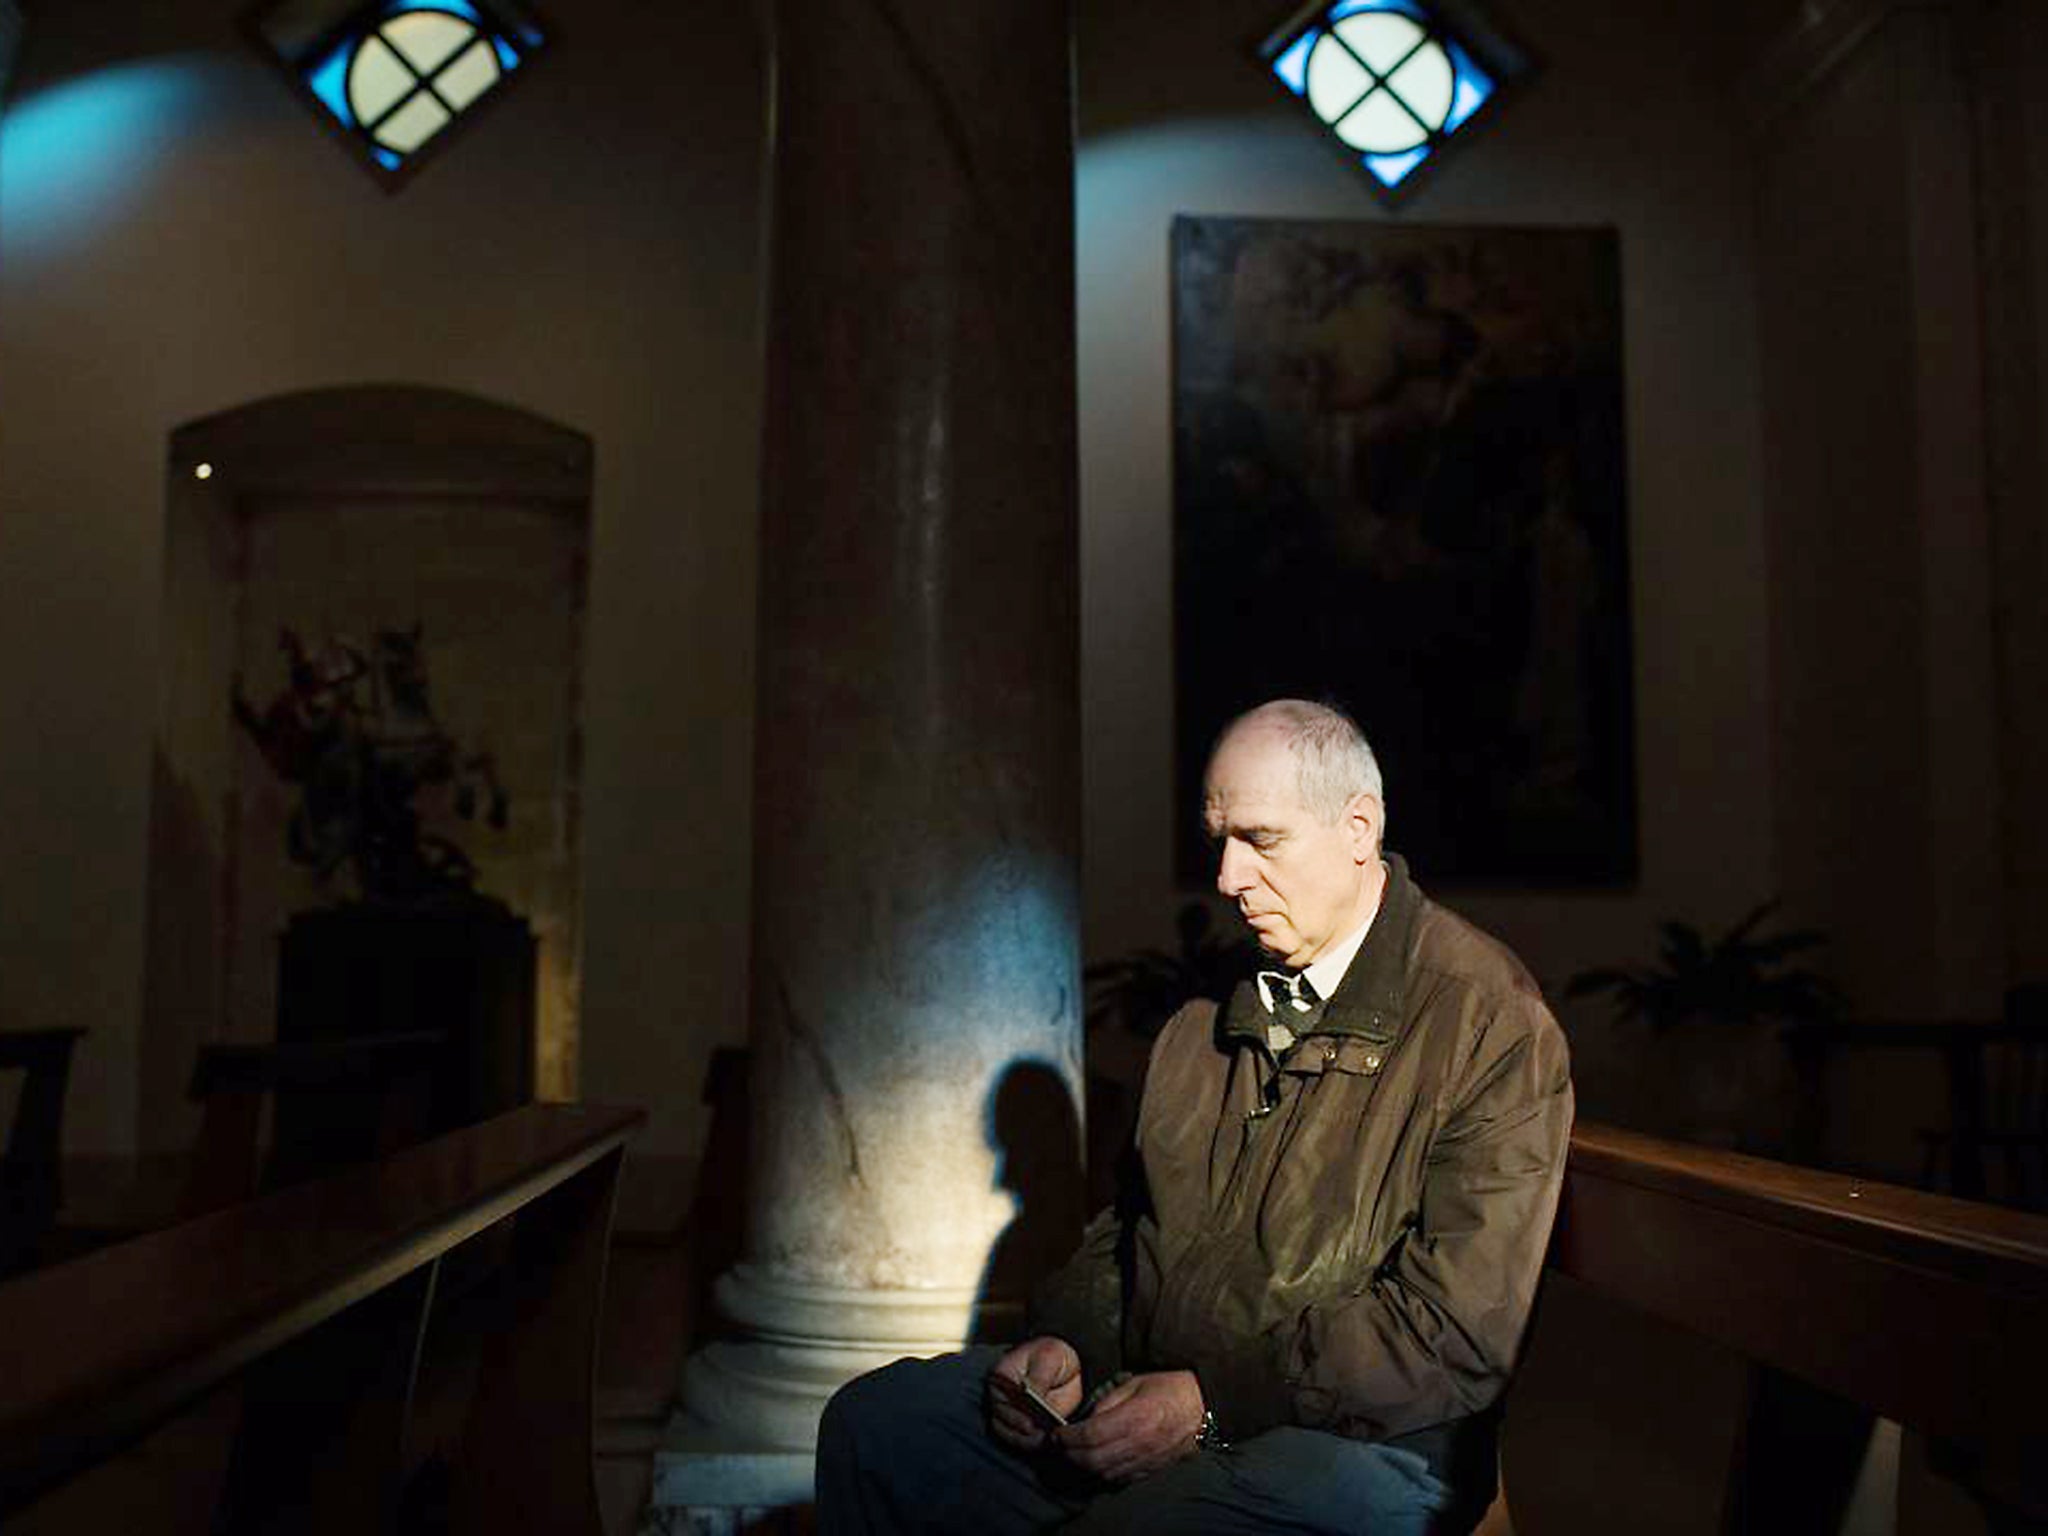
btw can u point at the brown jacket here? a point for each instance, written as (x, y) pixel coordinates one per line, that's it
(1362, 1258)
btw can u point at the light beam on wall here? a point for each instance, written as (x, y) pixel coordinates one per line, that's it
(72, 152)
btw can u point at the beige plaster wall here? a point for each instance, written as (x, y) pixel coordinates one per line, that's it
(1629, 126)
(586, 253)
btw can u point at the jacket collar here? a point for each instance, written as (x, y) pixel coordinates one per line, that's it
(1368, 1002)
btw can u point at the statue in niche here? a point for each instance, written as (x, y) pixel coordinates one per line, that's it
(356, 732)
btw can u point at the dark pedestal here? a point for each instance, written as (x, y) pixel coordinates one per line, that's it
(464, 971)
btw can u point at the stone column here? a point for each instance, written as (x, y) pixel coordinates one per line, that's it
(916, 795)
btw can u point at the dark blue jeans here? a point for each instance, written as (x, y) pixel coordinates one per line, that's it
(907, 1449)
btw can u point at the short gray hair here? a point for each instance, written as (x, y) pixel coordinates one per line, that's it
(1332, 758)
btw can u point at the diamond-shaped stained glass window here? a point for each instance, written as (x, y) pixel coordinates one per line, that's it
(1392, 80)
(394, 75)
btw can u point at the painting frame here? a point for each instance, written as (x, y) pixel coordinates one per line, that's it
(1401, 486)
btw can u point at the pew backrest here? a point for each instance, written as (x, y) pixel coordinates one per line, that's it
(1849, 1300)
(105, 1347)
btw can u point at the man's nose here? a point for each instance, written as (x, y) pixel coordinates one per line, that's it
(1233, 868)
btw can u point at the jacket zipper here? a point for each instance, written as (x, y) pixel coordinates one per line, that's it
(1208, 1284)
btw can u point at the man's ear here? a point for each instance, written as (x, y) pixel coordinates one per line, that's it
(1363, 819)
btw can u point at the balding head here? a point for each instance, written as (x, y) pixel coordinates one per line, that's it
(1333, 761)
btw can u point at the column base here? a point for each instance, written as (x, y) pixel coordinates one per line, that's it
(752, 1394)
(796, 1344)
(742, 1444)
(703, 1482)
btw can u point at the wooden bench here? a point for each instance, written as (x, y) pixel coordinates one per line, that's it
(409, 1344)
(1847, 1299)
(31, 1182)
(332, 1103)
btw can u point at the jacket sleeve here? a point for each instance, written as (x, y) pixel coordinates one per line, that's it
(1082, 1300)
(1433, 1331)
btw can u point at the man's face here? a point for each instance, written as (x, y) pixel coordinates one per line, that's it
(1301, 883)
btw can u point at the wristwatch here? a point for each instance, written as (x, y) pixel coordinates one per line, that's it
(1208, 1437)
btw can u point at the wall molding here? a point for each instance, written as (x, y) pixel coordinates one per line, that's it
(1824, 35)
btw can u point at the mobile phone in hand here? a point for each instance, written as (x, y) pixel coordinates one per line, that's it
(1034, 1402)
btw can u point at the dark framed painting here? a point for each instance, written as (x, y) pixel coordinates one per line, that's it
(1400, 485)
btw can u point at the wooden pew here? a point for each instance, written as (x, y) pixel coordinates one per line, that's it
(309, 1326)
(334, 1103)
(31, 1182)
(1848, 1298)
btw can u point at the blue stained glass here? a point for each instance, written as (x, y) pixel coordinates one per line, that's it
(1473, 88)
(1467, 65)
(1391, 169)
(1352, 7)
(457, 7)
(324, 72)
(1467, 99)
(329, 81)
(1292, 66)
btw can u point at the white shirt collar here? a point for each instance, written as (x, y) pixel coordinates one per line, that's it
(1328, 969)
(1323, 974)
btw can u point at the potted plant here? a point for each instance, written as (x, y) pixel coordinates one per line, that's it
(1716, 1006)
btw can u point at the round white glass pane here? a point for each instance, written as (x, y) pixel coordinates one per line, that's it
(1427, 83)
(1335, 80)
(1378, 126)
(412, 124)
(376, 81)
(469, 76)
(428, 39)
(1381, 38)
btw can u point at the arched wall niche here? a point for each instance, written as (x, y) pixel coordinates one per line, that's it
(336, 514)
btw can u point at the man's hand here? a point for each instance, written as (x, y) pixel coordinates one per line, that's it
(1053, 1368)
(1137, 1428)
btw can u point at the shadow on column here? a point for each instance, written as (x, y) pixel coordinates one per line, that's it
(1033, 1127)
